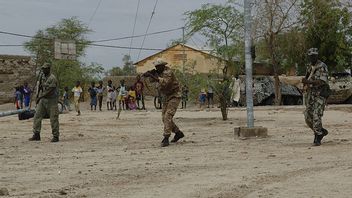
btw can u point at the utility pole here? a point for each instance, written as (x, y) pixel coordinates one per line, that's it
(248, 63)
(250, 130)
(183, 51)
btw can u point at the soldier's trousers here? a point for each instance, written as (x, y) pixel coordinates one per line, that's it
(47, 107)
(313, 114)
(169, 109)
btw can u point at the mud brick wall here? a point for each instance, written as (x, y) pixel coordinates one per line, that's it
(14, 71)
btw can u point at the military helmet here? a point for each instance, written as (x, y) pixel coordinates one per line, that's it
(159, 61)
(313, 51)
(46, 65)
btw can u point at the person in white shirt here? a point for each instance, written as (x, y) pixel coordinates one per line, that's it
(113, 98)
(77, 90)
(110, 93)
(236, 91)
(122, 94)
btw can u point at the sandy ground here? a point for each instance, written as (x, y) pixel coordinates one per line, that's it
(99, 156)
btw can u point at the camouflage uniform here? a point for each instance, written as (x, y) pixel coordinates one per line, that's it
(47, 105)
(315, 104)
(170, 89)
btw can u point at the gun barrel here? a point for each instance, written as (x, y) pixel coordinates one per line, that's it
(14, 112)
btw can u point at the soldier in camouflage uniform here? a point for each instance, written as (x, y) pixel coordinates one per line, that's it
(316, 81)
(171, 92)
(47, 99)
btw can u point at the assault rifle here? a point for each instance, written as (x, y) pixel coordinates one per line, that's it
(39, 86)
(153, 72)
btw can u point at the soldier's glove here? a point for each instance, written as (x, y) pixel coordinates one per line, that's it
(306, 81)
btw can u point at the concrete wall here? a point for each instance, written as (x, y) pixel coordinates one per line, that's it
(14, 71)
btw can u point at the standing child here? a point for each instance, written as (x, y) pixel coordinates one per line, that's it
(77, 90)
(27, 95)
(110, 90)
(210, 93)
(139, 86)
(93, 96)
(100, 90)
(66, 100)
(113, 98)
(122, 94)
(202, 98)
(21, 96)
(184, 96)
(132, 98)
(17, 95)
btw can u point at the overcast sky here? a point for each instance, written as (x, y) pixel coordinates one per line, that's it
(112, 19)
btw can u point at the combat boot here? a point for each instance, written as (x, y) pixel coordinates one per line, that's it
(55, 139)
(317, 140)
(165, 142)
(178, 136)
(35, 137)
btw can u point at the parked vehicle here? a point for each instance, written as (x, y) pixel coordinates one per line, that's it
(264, 92)
(341, 89)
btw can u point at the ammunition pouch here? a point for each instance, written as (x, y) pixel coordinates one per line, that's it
(325, 90)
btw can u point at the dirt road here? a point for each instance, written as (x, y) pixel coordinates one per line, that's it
(99, 156)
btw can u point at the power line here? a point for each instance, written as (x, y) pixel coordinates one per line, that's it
(91, 44)
(146, 31)
(127, 37)
(113, 46)
(15, 45)
(96, 41)
(15, 34)
(139, 48)
(134, 27)
(125, 47)
(95, 11)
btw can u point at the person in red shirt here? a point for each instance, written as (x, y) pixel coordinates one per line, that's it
(139, 86)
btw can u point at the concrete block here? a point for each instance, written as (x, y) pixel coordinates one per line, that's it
(245, 132)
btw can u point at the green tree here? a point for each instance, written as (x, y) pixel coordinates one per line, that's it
(222, 25)
(174, 42)
(327, 26)
(274, 18)
(42, 48)
(92, 72)
(126, 70)
(194, 81)
(128, 67)
(291, 51)
(115, 71)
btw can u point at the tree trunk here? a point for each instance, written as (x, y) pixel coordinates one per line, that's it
(223, 94)
(277, 89)
(223, 107)
(270, 43)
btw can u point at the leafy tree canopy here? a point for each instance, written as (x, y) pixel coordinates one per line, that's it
(127, 69)
(327, 25)
(67, 71)
(222, 25)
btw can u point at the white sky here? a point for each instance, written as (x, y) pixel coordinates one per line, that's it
(113, 19)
